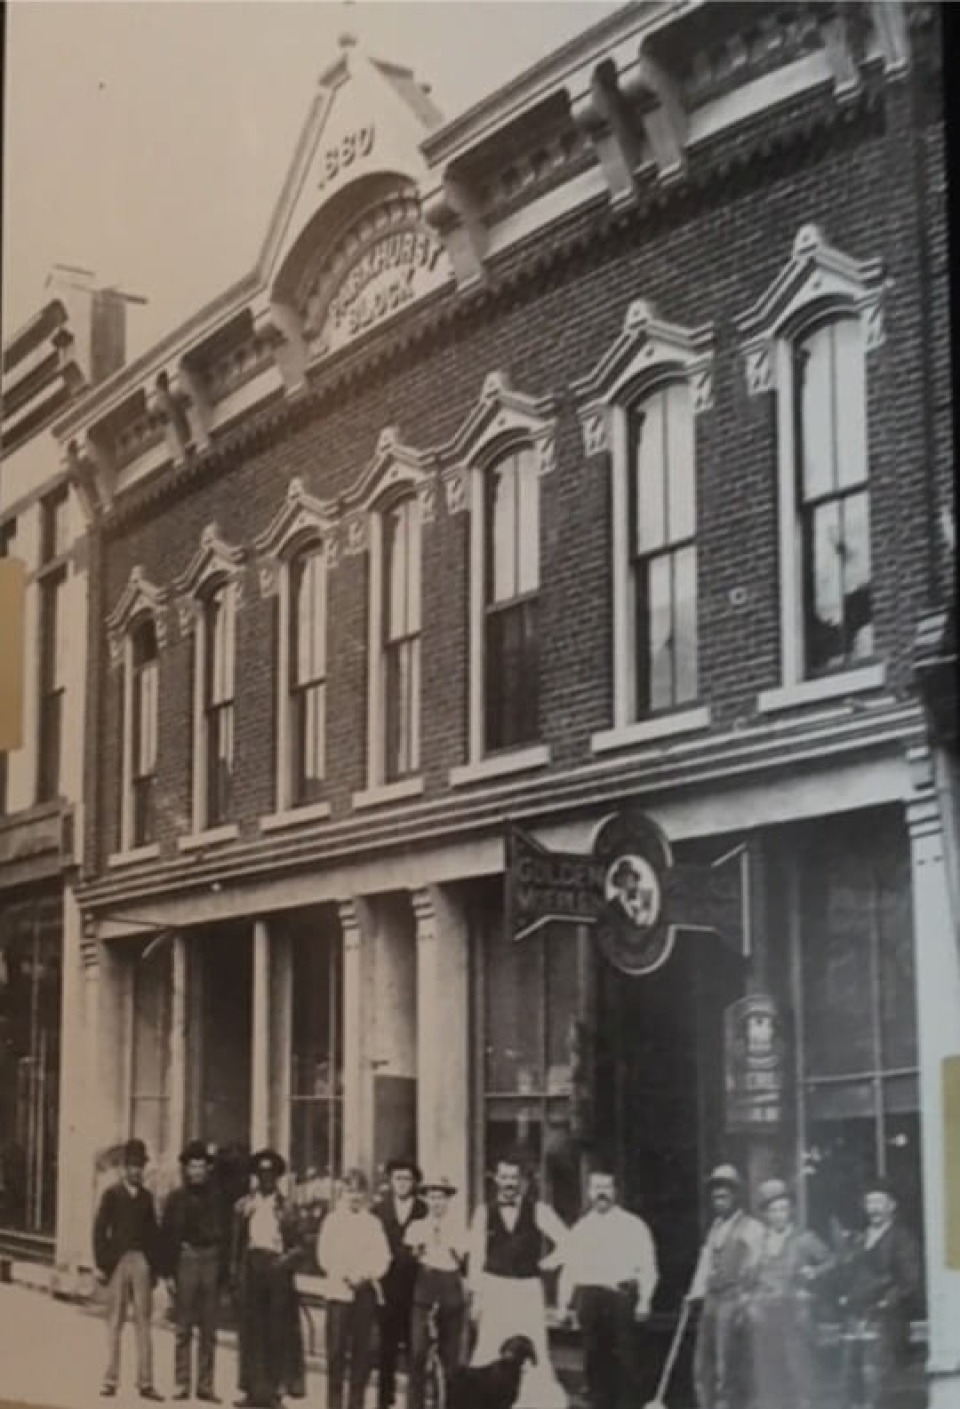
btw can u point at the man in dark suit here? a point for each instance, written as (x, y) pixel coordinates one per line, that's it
(196, 1261)
(127, 1254)
(399, 1207)
(879, 1277)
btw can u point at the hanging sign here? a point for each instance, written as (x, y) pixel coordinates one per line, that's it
(755, 1074)
(629, 890)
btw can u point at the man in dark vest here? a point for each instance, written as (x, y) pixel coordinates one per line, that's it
(507, 1240)
(127, 1254)
(196, 1254)
(722, 1282)
(398, 1208)
(879, 1277)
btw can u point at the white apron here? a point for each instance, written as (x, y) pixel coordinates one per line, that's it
(515, 1306)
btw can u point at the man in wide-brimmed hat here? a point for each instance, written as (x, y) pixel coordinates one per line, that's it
(397, 1209)
(196, 1262)
(879, 1278)
(440, 1245)
(791, 1266)
(354, 1255)
(266, 1254)
(722, 1283)
(127, 1254)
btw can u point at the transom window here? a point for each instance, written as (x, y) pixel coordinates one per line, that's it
(401, 618)
(663, 548)
(143, 740)
(308, 672)
(511, 587)
(219, 619)
(833, 496)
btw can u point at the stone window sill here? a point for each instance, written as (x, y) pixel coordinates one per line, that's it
(500, 765)
(197, 841)
(149, 852)
(295, 816)
(647, 730)
(386, 793)
(828, 687)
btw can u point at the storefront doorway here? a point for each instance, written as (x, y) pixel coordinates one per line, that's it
(659, 1092)
(221, 1036)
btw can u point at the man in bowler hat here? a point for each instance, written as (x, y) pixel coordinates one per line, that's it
(398, 1208)
(127, 1254)
(879, 1278)
(195, 1255)
(722, 1282)
(266, 1253)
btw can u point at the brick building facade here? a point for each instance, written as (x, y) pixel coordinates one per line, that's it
(590, 451)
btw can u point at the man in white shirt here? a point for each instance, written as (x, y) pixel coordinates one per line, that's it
(506, 1262)
(722, 1282)
(353, 1253)
(608, 1280)
(439, 1243)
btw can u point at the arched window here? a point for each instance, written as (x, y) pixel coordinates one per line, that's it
(833, 495)
(142, 758)
(307, 672)
(400, 645)
(511, 584)
(663, 548)
(218, 654)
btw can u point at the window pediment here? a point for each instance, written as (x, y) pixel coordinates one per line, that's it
(647, 349)
(502, 418)
(301, 516)
(139, 598)
(817, 278)
(214, 559)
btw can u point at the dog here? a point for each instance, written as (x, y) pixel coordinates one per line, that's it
(493, 1386)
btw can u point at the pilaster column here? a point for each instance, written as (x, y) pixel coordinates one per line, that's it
(260, 1044)
(443, 1024)
(72, 1163)
(355, 924)
(177, 1076)
(938, 1000)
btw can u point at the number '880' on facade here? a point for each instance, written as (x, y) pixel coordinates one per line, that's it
(589, 451)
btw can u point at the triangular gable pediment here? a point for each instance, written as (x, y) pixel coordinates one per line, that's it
(362, 124)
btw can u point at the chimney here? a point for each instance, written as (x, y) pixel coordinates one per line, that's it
(96, 317)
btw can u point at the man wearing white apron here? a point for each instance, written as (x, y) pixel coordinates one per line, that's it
(506, 1260)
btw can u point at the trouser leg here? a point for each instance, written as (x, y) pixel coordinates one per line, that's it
(361, 1344)
(207, 1315)
(419, 1350)
(118, 1289)
(142, 1287)
(337, 1331)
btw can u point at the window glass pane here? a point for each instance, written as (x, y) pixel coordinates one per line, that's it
(309, 614)
(898, 1010)
(314, 707)
(825, 623)
(145, 719)
(851, 398)
(502, 577)
(561, 1003)
(857, 604)
(814, 363)
(512, 675)
(528, 528)
(681, 467)
(152, 996)
(661, 632)
(413, 593)
(649, 443)
(685, 588)
(514, 1014)
(838, 961)
(841, 1154)
(55, 537)
(316, 1065)
(396, 572)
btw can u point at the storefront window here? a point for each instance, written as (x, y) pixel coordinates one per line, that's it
(30, 982)
(316, 1074)
(531, 1001)
(860, 1096)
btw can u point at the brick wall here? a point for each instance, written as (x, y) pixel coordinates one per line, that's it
(706, 255)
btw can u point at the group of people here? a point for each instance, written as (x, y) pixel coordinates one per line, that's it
(403, 1273)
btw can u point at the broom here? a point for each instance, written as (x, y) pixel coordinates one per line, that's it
(658, 1402)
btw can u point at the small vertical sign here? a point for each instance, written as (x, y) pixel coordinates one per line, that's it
(755, 1062)
(12, 597)
(951, 1159)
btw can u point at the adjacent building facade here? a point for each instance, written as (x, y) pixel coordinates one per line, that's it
(75, 339)
(588, 453)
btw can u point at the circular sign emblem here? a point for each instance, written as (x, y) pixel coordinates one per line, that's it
(632, 929)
